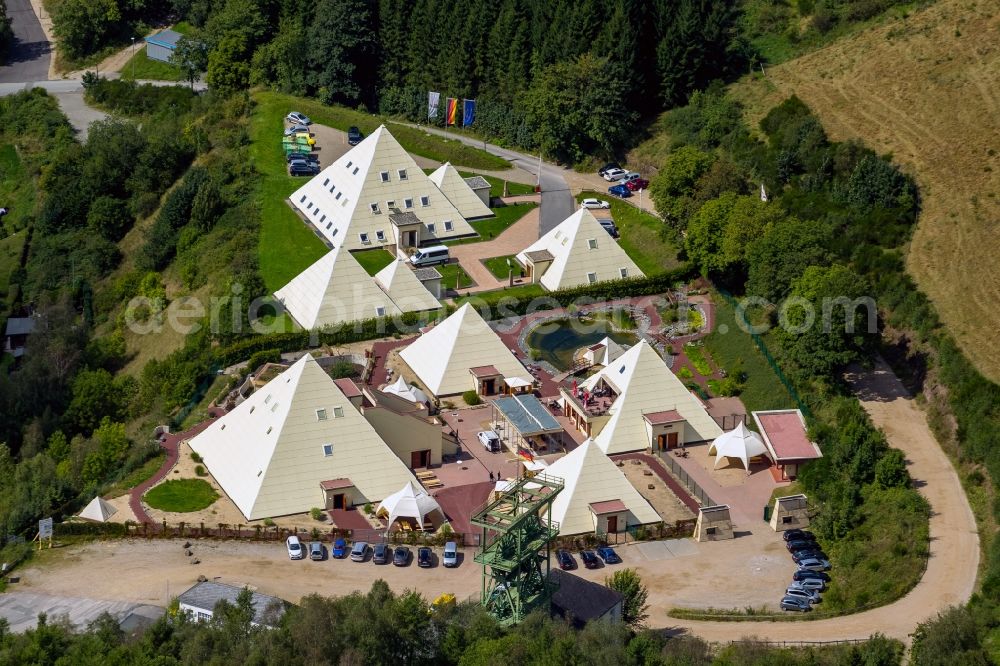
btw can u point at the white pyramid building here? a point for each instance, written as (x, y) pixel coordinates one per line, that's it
(645, 385)
(442, 357)
(98, 510)
(582, 252)
(591, 477)
(271, 453)
(453, 186)
(333, 290)
(349, 202)
(407, 292)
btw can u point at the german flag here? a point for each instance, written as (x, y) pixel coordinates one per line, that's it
(525, 454)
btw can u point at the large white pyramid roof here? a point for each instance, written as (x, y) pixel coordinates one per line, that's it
(269, 454)
(406, 291)
(453, 186)
(591, 476)
(645, 385)
(333, 290)
(338, 200)
(442, 357)
(580, 246)
(98, 510)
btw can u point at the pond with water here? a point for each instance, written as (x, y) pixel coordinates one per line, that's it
(557, 340)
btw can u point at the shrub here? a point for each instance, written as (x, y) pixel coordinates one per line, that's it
(195, 456)
(264, 356)
(369, 509)
(471, 398)
(268, 522)
(200, 470)
(316, 513)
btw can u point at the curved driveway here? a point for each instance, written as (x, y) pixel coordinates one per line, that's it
(954, 540)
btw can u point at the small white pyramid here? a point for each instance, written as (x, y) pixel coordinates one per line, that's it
(98, 510)
(442, 357)
(582, 252)
(271, 453)
(350, 201)
(406, 291)
(334, 290)
(591, 476)
(644, 385)
(453, 186)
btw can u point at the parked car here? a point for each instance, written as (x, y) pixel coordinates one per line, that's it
(790, 535)
(795, 604)
(490, 440)
(637, 184)
(302, 169)
(297, 118)
(631, 175)
(401, 556)
(608, 167)
(620, 191)
(811, 595)
(814, 564)
(809, 584)
(609, 555)
(589, 559)
(613, 174)
(310, 158)
(339, 549)
(812, 553)
(380, 553)
(803, 574)
(295, 129)
(450, 556)
(428, 256)
(424, 558)
(294, 547)
(354, 136)
(595, 203)
(359, 551)
(610, 227)
(800, 544)
(316, 551)
(565, 560)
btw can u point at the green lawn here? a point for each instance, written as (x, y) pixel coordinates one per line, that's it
(181, 495)
(413, 140)
(500, 267)
(490, 228)
(140, 67)
(734, 350)
(642, 236)
(287, 244)
(696, 354)
(454, 277)
(373, 260)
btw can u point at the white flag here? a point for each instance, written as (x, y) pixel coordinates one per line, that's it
(432, 104)
(763, 193)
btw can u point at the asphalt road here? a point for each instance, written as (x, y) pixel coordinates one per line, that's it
(557, 200)
(28, 57)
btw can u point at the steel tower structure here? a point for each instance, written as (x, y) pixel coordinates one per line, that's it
(516, 541)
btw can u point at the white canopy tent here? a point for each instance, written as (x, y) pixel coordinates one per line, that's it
(409, 502)
(738, 443)
(406, 391)
(98, 510)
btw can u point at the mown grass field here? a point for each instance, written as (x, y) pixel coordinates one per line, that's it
(926, 91)
(453, 276)
(181, 495)
(641, 236)
(141, 68)
(499, 266)
(373, 260)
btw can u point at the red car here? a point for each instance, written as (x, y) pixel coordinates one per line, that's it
(637, 184)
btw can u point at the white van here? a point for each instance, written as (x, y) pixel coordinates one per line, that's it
(428, 256)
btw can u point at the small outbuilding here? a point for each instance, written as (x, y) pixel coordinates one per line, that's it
(98, 510)
(790, 512)
(579, 601)
(787, 440)
(200, 601)
(162, 45)
(714, 523)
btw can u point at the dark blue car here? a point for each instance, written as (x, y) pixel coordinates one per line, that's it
(609, 555)
(620, 191)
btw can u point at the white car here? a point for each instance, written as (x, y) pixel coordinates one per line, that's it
(295, 549)
(595, 203)
(490, 440)
(450, 556)
(611, 175)
(297, 118)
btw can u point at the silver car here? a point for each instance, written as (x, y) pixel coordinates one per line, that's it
(814, 564)
(814, 584)
(359, 551)
(811, 595)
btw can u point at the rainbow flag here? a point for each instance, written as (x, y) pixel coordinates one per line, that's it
(451, 114)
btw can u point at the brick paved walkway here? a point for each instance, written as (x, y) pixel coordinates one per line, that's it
(514, 238)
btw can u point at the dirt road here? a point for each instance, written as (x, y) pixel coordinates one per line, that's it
(954, 540)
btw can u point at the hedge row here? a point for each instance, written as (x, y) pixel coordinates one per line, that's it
(492, 305)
